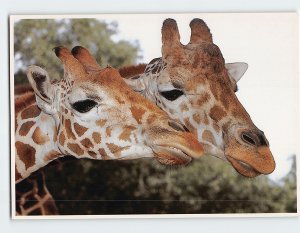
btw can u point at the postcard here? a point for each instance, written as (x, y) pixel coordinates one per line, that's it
(154, 115)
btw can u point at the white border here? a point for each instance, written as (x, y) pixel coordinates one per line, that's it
(13, 18)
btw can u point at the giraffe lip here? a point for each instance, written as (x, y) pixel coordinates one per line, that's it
(243, 168)
(170, 155)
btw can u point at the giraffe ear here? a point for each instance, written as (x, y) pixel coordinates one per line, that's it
(40, 82)
(137, 83)
(236, 70)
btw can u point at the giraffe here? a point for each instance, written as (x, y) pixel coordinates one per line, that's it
(193, 85)
(34, 198)
(93, 115)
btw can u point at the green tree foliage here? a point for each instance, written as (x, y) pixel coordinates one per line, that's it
(146, 187)
(35, 39)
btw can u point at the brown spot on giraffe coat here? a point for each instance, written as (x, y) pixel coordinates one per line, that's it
(24, 129)
(217, 113)
(101, 122)
(62, 139)
(39, 137)
(26, 154)
(103, 154)
(203, 98)
(115, 149)
(96, 137)
(151, 119)
(75, 148)
(51, 155)
(208, 136)
(80, 130)
(69, 131)
(31, 112)
(137, 113)
(216, 127)
(214, 90)
(92, 154)
(197, 118)
(87, 143)
(120, 101)
(125, 135)
(17, 174)
(16, 124)
(54, 134)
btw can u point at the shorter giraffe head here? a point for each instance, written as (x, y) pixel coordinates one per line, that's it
(98, 116)
(193, 84)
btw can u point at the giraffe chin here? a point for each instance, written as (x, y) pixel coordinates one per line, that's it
(170, 156)
(243, 168)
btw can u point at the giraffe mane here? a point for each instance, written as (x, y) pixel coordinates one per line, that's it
(132, 70)
(22, 88)
(24, 101)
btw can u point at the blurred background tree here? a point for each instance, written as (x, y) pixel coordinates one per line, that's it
(35, 39)
(141, 186)
(146, 187)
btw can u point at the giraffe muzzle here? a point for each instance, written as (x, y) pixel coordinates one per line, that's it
(248, 152)
(178, 150)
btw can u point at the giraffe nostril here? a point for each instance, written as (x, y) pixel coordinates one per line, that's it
(255, 138)
(185, 128)
(246, 137)
(177, 126)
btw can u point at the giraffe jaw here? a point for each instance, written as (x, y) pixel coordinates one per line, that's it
(170, 155)
(243, 168)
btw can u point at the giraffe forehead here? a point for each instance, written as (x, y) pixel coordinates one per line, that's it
(106, 78)
(194, 79)
(197, 63)
(77, 93)
(107, 88)
(203, 49)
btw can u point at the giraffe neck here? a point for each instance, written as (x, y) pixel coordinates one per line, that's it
(35, 141)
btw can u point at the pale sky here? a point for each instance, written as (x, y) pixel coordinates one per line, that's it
(267, 42)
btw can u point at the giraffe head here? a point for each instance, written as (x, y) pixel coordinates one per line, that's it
(193, 84)
(98, 116)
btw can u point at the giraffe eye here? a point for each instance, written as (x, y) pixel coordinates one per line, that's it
(171, 95)
(84, 105)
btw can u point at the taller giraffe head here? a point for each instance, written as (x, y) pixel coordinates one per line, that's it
(193, 84)
(96, 115)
